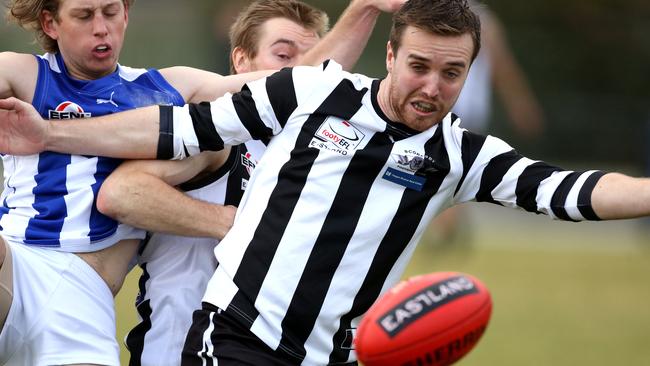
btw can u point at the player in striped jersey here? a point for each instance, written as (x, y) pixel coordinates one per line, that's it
(354, 172)
(62, 261)
(268, 34)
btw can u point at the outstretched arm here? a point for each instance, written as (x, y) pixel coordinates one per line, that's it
(140, 193)
(345, 42)
(132, 134)
(617, 196)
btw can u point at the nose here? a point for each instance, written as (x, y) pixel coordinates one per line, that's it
(431, 86)
(99, 25)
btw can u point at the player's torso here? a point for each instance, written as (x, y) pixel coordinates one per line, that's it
(337, 199)
(49, 198)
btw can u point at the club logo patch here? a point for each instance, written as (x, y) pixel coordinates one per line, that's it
(68, 110)
(337, 135)
(413, 161)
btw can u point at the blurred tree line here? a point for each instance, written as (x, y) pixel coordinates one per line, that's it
(587, 61)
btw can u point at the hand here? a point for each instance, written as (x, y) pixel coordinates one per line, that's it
(22, 130)
(225, 218)
(388, 6)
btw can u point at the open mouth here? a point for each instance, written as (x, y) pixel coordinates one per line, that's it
(424, 107)
(101, 49)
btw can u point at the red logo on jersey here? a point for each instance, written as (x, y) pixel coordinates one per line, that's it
(68, 110)
(248, 162)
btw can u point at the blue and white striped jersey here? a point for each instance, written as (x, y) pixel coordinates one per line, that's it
(49, 199)
(340, 199)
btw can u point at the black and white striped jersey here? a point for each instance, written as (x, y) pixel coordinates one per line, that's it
(341, 197)
(176, 269)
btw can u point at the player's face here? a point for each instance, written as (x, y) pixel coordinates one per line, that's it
(90, 34)
(282, 43)
(425, 77)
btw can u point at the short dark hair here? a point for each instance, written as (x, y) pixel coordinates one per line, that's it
(442, 17)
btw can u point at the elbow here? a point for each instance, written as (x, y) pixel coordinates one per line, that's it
(109, 199)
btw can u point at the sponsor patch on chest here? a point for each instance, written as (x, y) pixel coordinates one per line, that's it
(68, 110)
(337, 135)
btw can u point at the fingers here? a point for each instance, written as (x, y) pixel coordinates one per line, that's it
(8, 103)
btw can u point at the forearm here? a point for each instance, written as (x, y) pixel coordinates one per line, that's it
(147, 202)
(617, 196)
(129, 135)
(198, 85)
(346, 41)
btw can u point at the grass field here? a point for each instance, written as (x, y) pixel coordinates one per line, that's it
(564, 294)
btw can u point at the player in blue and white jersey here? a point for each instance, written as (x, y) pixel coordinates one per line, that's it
(62, 260)
(268, 34)
(355, 169)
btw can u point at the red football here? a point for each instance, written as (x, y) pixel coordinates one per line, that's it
(432, 319)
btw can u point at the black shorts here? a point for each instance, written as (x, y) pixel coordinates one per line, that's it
(229, 343)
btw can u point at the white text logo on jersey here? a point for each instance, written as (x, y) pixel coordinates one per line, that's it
(248, 162)
(67, 110)
(337, 135)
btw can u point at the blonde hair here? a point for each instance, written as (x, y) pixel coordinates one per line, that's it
(27, 14)
(245, 31)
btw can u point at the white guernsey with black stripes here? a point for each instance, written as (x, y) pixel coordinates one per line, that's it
(339, 201)
(176, 269)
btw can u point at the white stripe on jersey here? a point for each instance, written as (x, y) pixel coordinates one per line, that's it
(80, 200)
(572, 203)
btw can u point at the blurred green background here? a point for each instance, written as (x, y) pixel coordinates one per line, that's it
(564, 293)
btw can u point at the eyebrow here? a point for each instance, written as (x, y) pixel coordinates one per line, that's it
(460, 64)
(90, 7)
(284, 41)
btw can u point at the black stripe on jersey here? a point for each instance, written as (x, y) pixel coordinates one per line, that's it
(291, 180)
(325, 63)
(135, 338)
(210, 177)
(471, 145)
(584, 197)
(558, 201)
(528, 184)
(238, 173)
(332, 241)
(493, 175)
(248, 114)
(204, 129)
(166, 133)
(282, 94)
(400, 232)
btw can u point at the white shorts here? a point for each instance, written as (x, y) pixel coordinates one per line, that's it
(176, 271)
(62, 312)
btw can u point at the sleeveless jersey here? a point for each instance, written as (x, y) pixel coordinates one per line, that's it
(49, 198)
(176, 269)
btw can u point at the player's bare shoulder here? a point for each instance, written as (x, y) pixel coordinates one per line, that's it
(18, 75)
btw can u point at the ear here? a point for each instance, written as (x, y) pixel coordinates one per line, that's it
(48, 24)
(240, 60)
(390, 57)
